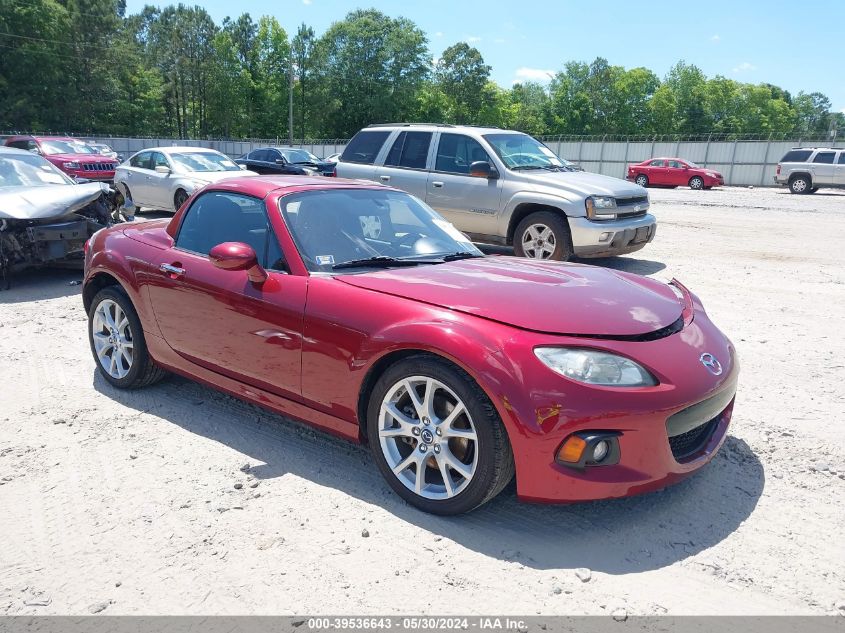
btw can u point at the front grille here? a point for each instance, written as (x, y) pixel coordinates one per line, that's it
(98, 166)
(630, 202)
(626, 206)
(689, 443)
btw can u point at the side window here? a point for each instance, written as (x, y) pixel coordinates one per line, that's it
(217, 217)
(159, 160)
(19, 144)
(456, 152)
(842, 157)
(410, 150)
(273, 155)
(796, 156)
(364, 147)
(141, 160)
(657, 163)
(675, 164)
(825, 158)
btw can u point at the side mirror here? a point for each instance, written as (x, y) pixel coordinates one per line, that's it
(280, 161)
(80, 180)
(162, 169)
(244, 167)
(35, 150)
(238, 256)
(482, 169)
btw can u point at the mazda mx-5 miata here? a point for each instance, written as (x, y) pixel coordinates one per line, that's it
(356, 308)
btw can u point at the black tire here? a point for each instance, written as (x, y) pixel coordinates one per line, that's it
(800, 184)
(814, 190)
(696, 183)
(641, 180)
(143, 371)
(560, 231)
(179, 198)
(495, 467)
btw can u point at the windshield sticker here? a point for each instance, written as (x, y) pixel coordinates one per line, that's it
(325, 260)
(371, 226)
(451, 231)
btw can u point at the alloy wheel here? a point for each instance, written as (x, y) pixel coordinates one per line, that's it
(538, 242)
(696, 183)
(112, 337)
(641, 180)
(428, 438)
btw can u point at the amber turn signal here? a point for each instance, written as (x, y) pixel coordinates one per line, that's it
(572, 449)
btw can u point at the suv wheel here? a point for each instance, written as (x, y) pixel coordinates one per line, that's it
(436, 437)
(543, 235)
(642, 180)
(800, 184)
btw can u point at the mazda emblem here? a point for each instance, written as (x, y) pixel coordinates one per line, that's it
(711, 363)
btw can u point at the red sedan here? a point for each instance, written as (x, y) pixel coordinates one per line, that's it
(358, 309)
(673, 172)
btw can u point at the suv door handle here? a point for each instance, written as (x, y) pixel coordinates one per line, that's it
(173, 271)
(437, 184)
(384, 178)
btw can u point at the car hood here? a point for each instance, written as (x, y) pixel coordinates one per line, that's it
(49, 201)
(216, 176)
(552, 297)
(80, 158)
(584, 183)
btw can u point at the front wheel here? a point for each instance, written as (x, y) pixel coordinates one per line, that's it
(436, 437)
(179, 198)
(696, 182)
(642, 180)
(543, 235)
(117, 341)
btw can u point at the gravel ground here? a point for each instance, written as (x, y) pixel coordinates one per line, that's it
(180, 500)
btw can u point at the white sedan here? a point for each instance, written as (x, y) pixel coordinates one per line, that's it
(165, 177)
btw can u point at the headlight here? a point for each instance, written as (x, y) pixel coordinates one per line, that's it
(71, 165)
(594, 367)
(597, 207)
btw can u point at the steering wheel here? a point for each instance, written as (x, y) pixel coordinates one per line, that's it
(409, 239)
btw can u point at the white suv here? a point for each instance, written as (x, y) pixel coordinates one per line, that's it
(504, 187)
(805, 169)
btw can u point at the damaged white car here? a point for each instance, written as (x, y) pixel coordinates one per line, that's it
(45, 216)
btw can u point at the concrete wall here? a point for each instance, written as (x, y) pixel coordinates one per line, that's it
(741, 162)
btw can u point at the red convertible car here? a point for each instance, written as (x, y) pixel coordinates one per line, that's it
(673, 172)
(358, 309)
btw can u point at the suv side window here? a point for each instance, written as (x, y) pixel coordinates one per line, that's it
(141, 160)
(842, 157)
(364, 147)
(796, 156)
(825, 158)
(216, 217)
(456, 152)
(410, 150)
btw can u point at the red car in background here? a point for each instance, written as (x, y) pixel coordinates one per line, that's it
(358, 309)
(74, 157)
(673, 172)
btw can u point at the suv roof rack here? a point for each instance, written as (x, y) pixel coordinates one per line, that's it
(409, 124)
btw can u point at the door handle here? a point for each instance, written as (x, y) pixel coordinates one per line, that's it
(173, 271)
(384, 178)
(437, 184)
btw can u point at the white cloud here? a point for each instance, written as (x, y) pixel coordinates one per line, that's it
(715, 38)
(744, 67)
(533, 74)
(306, 2)
(499, 40)
(438, 34)
(472, 39)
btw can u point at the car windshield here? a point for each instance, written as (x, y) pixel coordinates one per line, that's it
(334, 227)
(299, 156)
(202, 161)
(22, 170)
(520, 151)
(53, 146)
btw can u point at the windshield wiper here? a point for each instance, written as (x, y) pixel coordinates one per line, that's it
(382, 261)
(518, 167)
(451, 257)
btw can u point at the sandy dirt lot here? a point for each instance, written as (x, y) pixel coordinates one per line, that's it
(180, 500)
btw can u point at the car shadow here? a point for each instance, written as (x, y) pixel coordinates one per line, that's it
(619, 536)
(626, 264)
(40, 284)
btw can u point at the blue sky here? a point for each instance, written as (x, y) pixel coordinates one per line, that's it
(747, 40)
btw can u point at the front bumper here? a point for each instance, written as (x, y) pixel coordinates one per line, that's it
(665, 433)
(609, 238)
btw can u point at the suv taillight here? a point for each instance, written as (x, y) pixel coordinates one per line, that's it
(777, 172)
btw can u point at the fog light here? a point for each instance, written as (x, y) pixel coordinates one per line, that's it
(604, 237)
(600, 451)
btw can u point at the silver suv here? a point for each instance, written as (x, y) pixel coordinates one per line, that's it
(504, 187)
(805, 169)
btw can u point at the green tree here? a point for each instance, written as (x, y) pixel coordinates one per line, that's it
(462, 76)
